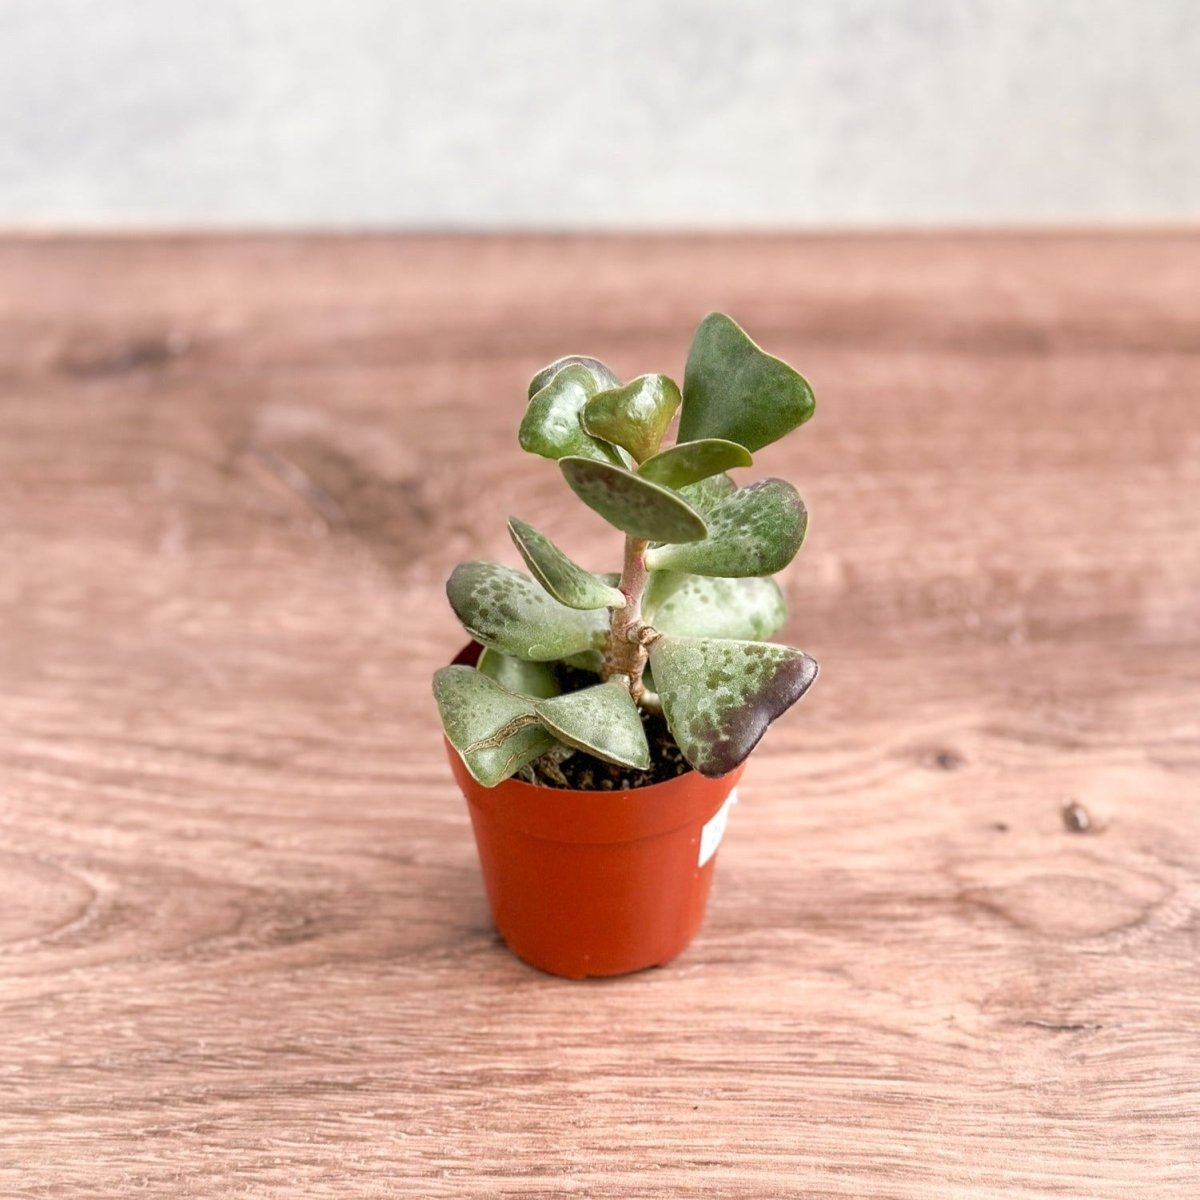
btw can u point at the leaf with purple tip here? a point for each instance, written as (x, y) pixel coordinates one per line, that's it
(719, 696)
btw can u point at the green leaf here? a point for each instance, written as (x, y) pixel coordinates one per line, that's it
(635, 416)
(696, 606)
(719, 696)
(755, 530)
(605, 378)
(494, 732)
(708, 493)
(734, 390)
(689, 462)
(552, 426)
(565, 580)
(505, 610)
(601, 720)
(589, 660)
(636, 506)
(516, 675)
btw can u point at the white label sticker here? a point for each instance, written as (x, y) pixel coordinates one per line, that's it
(714, 829)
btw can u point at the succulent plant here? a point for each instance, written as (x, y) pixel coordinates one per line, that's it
(570, 656)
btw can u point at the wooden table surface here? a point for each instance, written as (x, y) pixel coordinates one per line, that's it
(244, 948)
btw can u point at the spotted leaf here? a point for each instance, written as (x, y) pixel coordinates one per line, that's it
(505, 610)
(564, 579)
(494, 732)
(708, 493)
(601, 720)
(552, 425)
(755, 530)
(719, 696)
(516, 675)
(734, 390)
(636, 506)
(689, 462)
(635, 416)
(698, 606)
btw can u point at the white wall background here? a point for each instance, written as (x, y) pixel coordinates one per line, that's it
(612, 113)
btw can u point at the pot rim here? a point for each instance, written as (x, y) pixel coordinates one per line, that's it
(593, 815)
(596, 817)
(468, 656)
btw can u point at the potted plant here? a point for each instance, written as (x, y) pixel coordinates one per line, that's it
(598, 724)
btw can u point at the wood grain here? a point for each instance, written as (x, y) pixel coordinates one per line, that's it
(243, 944)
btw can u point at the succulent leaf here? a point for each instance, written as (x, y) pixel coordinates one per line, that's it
(708, 493)
(734, 390)
(755, 530)
(689, 462)
(635, 416)
(505, 610)
(494, 732)
(719, 696)
(588, 660)
(604, 376)
(636, 506)
(564, 579)
(552, 425)
(698, 606)
(535, 679)
(601, 720)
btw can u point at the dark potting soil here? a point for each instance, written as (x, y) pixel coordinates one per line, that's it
(563, 767)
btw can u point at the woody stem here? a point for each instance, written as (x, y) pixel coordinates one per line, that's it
(625, 652)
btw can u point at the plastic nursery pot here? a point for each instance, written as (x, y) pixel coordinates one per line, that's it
(584, 883)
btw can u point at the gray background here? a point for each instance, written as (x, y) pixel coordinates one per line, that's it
(567, 113)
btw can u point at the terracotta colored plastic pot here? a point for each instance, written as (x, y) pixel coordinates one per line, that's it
(597, 883)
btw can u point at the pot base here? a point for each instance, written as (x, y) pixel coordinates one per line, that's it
(585, 884)
(578, 972)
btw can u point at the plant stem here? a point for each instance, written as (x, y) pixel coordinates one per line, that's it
(625, 653)
(634, 578)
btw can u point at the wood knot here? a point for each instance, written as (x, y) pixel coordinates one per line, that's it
(39, 899)
(1063, 895)
(1076, 818)
(139, 354)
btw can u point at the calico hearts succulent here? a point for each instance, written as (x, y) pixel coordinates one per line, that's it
(681, 630)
